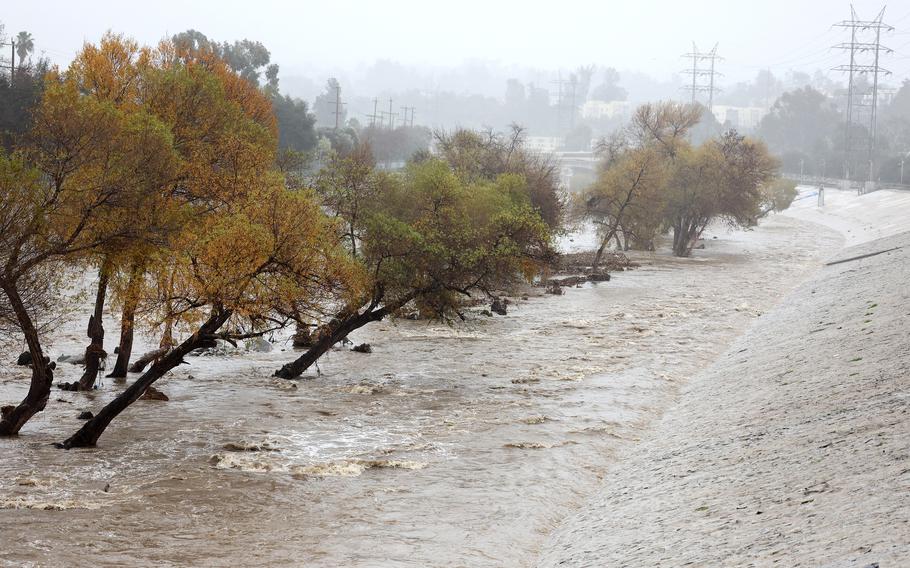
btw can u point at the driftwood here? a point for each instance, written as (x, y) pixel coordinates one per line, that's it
(141, 363)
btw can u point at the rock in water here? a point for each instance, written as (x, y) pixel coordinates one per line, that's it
(498, 307)
(86, 415)
(152, 393)
(259, 345)
(24, 359)
(363, 348)
(72, 359)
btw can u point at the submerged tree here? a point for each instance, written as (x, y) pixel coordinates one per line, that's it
(722, 179)
(58, 194)
(654, 179)
(240, 274)
(433, 238)
(628, 197)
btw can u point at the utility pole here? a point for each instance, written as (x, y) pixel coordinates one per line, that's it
(375, 114)
(12, 60)
(405, 110)
(865, 39)
(703, 77)
(338, 105)
(392, 116)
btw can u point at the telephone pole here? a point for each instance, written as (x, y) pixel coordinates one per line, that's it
(861, 113)
(405, 110)
(703, 74)
(391, 116)
(375, 114)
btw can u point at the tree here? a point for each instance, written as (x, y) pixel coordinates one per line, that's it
(803, 125)
(272, 254)
(325, 106)
(247, 58)
(432, 237)
(111, 72)
(296, 124)
(487, 155)
(723, 179)
(79, 159)
(777, 195)
(25, 45)
(610, 90)
(628, 196)
(245, 255)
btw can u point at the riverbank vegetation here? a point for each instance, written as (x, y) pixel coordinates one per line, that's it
(654, 180)
(210, 210)
(159, 170)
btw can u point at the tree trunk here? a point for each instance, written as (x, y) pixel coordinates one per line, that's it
(94, 353)
(127, 320)
(337, 330)
(88, 435)
(331, 334)
(685, 233)
(142, 362)
(12, 419)
(603, 246)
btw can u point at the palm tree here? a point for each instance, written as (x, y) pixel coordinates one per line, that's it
(25, 45)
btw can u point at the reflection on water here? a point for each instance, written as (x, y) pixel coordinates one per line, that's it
(447, 446)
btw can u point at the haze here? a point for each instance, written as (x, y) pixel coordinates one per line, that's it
(315, 40)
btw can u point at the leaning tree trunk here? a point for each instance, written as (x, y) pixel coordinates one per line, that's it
(13, 418)
(88, 435)
(603, 246)
(94, 353)
(337, 330)
(127, 321)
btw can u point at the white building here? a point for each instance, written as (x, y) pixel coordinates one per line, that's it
(593, 110)
(544, 144)
(743, 119)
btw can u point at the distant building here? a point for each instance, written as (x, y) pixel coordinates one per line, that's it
(544, 144)
(743, 119)
(594, 110)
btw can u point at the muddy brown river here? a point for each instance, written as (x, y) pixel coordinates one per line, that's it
(447, 446)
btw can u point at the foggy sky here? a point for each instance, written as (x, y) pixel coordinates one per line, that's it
(321, 38)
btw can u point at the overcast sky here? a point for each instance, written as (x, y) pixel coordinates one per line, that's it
(321, 37)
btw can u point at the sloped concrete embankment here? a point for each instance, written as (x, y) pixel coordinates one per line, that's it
(793, 449)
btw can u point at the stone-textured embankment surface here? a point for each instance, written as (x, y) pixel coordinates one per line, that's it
(792, 449)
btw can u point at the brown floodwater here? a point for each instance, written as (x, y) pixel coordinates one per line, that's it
(447, 446)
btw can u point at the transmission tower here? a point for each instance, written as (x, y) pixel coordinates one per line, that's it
(338, 106)
(703, 71)
(565, 99)
(861, 113)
